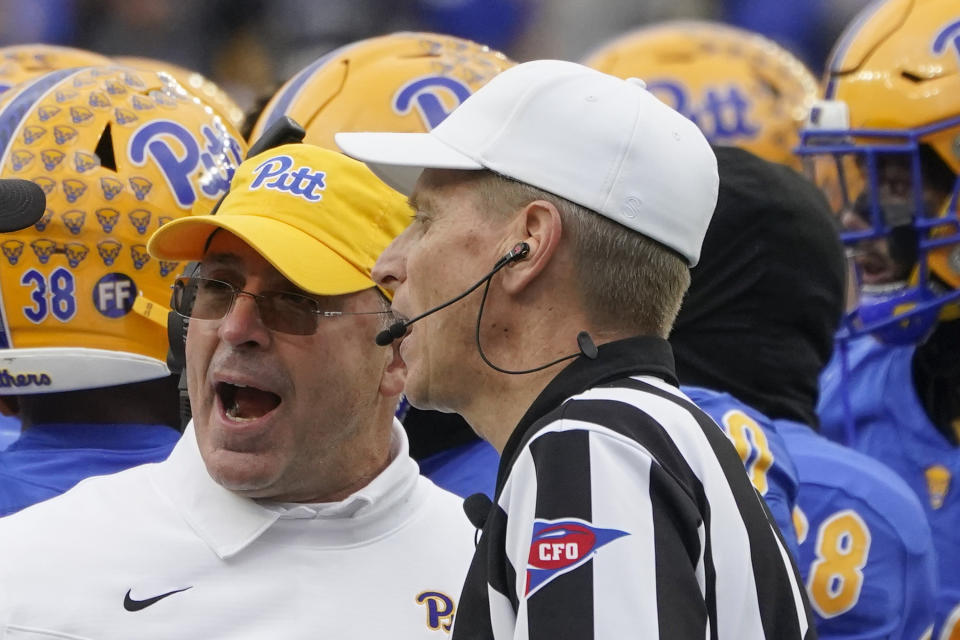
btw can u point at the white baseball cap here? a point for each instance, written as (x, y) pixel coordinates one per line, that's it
(594, 139)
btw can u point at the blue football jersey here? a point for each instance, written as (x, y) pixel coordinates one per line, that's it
(892, 427)
(762, 450)
(464, 470)
(866, 550)
(48, 459)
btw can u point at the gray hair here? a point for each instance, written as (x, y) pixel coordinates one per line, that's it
(627, 282)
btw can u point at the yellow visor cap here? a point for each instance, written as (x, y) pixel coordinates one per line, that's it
(319, 217)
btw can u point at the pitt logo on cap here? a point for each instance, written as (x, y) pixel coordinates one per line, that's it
(560, 546)
(279, 174)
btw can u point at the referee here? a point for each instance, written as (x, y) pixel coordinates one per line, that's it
(559, 208)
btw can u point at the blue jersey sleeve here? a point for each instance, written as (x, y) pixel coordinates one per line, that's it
(762, 450)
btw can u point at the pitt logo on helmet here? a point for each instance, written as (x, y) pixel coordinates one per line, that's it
(560, 546)
(722, 115)
(301, 181)
(949, 34)
(178, 155)
(425, 93)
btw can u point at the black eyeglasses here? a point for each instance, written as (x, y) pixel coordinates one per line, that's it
(282, 311)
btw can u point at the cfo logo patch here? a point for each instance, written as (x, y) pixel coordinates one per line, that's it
(560, 546)
(440, 609)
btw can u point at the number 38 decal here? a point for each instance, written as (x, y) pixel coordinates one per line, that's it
(53, 295)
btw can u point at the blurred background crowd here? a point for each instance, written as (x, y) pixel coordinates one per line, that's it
(250, 47)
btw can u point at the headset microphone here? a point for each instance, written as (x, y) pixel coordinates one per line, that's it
(398, 329)
(394, 332)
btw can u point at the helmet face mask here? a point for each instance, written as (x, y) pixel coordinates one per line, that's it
(884, 145)
(118, 152)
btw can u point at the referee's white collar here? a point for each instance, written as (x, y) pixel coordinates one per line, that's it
(229, 523)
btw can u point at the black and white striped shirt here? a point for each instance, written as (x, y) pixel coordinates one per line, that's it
(623, 511)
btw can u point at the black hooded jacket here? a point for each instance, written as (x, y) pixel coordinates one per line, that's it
(767, 295)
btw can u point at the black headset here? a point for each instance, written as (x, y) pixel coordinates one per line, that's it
(284, 130)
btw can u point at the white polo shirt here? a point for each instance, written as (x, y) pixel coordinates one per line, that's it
(162, 551)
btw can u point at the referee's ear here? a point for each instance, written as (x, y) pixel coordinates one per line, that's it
(539, 225)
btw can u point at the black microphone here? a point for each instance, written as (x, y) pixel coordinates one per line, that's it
(22, 203)
(477, 507)
(399, 328)
(520, 250)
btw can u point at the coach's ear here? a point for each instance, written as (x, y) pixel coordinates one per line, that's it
(539, 225)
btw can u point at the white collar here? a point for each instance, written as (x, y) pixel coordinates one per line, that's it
(228, 523)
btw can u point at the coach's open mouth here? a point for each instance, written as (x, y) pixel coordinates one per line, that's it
(243, 403)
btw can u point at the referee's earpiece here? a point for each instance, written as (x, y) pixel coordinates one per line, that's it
(519, 251)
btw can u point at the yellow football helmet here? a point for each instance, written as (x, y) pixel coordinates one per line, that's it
(404, 82)
(891, 98)
(195, 82)
(118, 152)
(741, 88)
(25, 61)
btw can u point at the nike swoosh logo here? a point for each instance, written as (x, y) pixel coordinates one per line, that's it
(136, 605)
